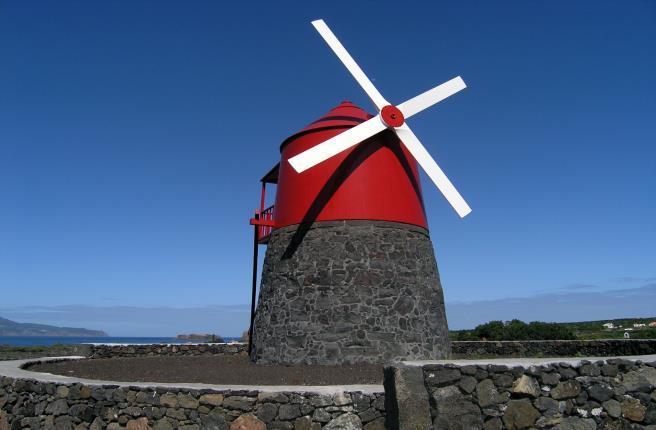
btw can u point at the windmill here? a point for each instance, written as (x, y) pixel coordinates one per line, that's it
(350, 273)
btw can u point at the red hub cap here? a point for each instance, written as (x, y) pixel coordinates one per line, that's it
(392, 116)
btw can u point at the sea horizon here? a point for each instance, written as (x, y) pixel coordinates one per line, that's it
(69, 340)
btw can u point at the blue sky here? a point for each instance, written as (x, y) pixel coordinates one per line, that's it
(133, 135)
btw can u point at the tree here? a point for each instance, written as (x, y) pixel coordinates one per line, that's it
(517, 330)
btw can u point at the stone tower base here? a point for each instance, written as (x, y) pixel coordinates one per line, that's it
(350, 292)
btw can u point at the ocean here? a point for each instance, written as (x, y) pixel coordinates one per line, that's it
(53, 340)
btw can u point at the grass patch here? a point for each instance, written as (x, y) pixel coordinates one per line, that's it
(10, 352)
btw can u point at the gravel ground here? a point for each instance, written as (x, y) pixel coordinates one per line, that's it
(227, 369)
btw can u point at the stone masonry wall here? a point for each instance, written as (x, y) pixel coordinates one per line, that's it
(350, 291)
(459, 349)
(39, 405)
(553, 348)
(146, 350)
(611, 394)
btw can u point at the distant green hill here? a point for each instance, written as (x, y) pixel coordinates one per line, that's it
(11, 328)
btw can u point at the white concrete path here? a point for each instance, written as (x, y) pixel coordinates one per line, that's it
(14, 369)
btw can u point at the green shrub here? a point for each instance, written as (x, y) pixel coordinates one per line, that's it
(516, 330)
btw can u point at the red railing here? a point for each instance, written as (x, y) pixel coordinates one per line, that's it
(265, 223)
(265, 230)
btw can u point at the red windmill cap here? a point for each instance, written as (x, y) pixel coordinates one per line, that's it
(345, 115)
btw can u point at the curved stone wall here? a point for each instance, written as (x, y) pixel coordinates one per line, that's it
(347, 292)
(41, 404)
(459, 349)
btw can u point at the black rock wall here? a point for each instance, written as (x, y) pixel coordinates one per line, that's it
(348, 292)
(553, 348)
(610, 394)
(166, 349)
(44, 405)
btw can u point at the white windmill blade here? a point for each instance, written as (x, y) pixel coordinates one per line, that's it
(350, 63)
(337, 144)
(432, 169)
(432, 96)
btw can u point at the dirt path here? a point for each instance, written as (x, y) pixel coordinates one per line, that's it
(228, 370)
